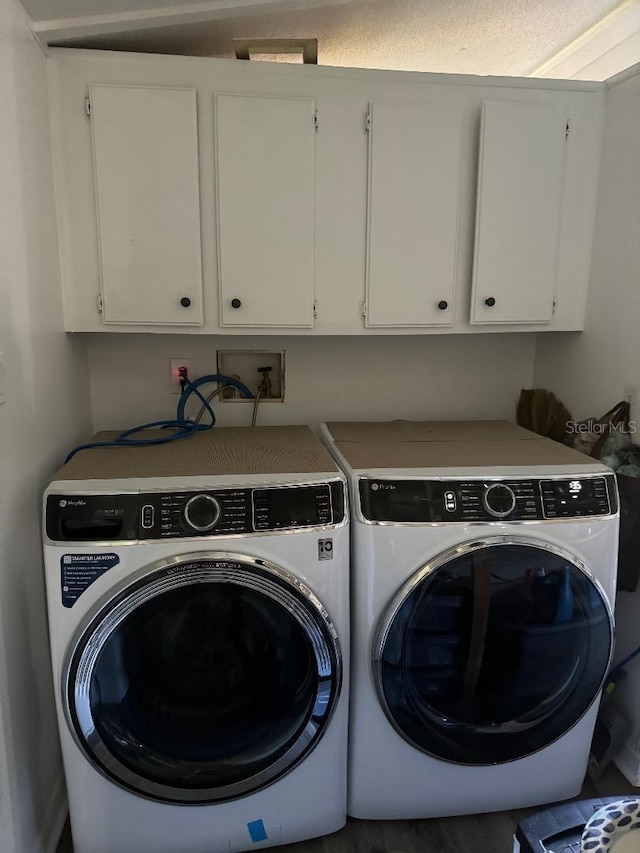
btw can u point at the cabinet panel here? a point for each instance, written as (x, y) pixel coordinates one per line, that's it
(413, 209)
(145, 153)
(265, 149)
(284, 242)
(520, 187)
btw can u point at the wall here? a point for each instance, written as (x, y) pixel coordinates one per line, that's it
(326, 378)
(589, 371)
(46, 409)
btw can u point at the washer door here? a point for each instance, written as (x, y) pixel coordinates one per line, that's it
(493, 651)
(204, 680)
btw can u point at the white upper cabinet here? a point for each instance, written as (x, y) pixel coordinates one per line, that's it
(265, 164)
(147, 194)
(412, 214)
(234, 198)
(519, 208)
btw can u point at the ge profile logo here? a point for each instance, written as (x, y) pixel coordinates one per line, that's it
(62, 503)
(374, 487)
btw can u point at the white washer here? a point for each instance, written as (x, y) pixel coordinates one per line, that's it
(198, 609)
(483, 566)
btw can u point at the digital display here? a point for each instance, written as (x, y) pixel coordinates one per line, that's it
(576, 491)
(573, 498)
(293, 506)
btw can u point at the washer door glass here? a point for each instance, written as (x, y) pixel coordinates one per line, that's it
(493, 651)
(205, 680)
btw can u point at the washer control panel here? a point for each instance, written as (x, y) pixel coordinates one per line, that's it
(499, 500)
(204, 513)
(465, 501)
(215, 512)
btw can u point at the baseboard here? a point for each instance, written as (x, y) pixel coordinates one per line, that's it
(55, 816)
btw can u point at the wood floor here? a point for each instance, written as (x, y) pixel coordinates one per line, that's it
(488, 833)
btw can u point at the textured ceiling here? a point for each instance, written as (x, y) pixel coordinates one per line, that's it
(501, 37)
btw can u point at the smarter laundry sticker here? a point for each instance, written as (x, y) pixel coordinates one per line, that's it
(79, 571)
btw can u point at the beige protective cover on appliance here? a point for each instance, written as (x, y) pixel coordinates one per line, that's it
(448, 444)
(376, 431)
(221, 450)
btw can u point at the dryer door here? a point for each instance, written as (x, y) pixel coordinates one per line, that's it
(204, 680)
(493, 651)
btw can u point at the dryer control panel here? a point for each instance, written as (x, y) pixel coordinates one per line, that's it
(464, 501)
(215, 512)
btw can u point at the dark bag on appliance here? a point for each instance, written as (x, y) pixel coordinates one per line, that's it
(591, 439)
(629, 543)
(602, 439)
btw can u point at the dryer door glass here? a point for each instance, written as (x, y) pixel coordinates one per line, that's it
(204, 681)
(493, 651)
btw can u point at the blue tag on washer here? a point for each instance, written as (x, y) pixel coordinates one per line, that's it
(257, 831)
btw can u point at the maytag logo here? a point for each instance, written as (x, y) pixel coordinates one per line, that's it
(79, 502)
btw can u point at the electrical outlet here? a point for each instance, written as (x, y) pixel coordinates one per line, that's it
(175, 365)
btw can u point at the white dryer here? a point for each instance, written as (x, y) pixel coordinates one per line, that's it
(198, 609)
(484, 567)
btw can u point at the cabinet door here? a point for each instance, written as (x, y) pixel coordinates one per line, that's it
(520, 184)
(145, 149)
(265, 150)
(413, 204)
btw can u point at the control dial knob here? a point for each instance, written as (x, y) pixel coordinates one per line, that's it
(201, 513)
(499, 500)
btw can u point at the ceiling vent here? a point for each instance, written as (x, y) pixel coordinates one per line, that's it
(278, 50)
